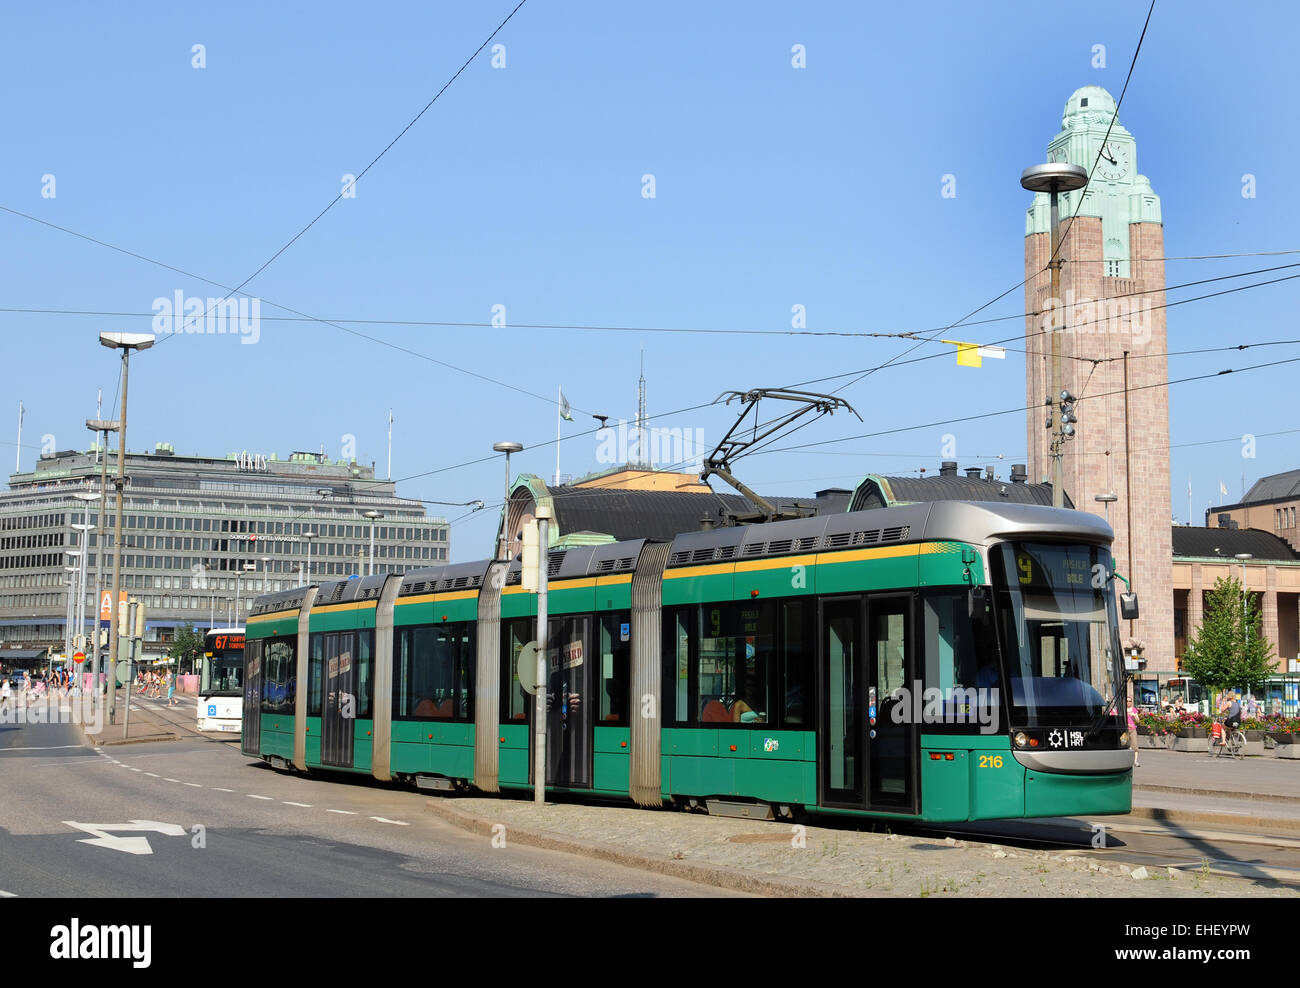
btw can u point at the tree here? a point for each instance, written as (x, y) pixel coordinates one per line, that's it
(1229, 649)
(187, 643)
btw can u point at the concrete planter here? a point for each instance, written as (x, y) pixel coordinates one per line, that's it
(1287, 751)
(1184, 743)
(1254, 748)
(1160, 741)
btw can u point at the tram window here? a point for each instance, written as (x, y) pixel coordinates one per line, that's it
(797, 651)
(615, 666)
(315, 670)
(436, 670)
(735, 653)
(514, 701)
(889, 635)
(365, 681)
(952, 658)
(682, 666)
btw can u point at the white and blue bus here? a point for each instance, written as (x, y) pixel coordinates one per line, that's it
(221, 681)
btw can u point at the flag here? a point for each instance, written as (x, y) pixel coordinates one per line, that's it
(1223, 490)
(565, 408)
(969, 354)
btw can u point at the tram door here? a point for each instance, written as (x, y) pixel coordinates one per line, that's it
(569, 702)
(893, 738)
(340, 707)
(868, 747)
(252, 719)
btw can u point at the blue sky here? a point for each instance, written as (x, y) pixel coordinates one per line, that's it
(522, 187)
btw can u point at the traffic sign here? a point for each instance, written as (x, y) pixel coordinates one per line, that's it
(79, 657)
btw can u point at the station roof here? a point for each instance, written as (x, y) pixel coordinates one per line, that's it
(1210, 543)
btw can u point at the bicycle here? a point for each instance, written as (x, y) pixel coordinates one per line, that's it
(1234, 743)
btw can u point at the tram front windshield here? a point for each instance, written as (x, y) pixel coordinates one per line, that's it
(1056, 608)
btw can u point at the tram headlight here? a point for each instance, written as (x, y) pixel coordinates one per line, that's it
(1123, 740)
(1021, 740)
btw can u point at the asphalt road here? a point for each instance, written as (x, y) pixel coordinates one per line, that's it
(228, 826)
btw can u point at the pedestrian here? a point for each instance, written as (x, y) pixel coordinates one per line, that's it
(171, 689)
(4, 695)
(1133, 730)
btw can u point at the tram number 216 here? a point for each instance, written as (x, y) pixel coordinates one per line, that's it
(990, 761)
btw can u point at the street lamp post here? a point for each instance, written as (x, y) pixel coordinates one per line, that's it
(373, 516)
(306, 572)
(1243, 556)
(266, 574)
(126, 342)
(1055, 178)
(70, 616)
(102, 427)
(1107, 499)
(247, 568)
(504, 541)
(86, 498)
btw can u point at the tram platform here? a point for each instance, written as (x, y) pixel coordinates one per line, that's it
(151, 720)
(1260, 793)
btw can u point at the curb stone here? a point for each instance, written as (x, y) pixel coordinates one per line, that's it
(1228, 819)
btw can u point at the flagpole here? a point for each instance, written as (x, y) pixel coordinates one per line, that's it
(18, 454)
(390, 444)
(559, 394)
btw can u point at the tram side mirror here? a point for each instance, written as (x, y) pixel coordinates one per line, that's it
(1128, 606)
(977, 604)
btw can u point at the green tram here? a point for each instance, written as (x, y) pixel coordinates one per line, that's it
(946, 661)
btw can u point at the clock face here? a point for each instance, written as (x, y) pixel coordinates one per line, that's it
(1115, 162)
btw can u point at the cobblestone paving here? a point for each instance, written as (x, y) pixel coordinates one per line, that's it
(850, 862)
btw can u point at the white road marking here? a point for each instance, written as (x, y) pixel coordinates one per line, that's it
(134, 769)
(128, 845)
(194, 784)
(345, 812)
(171, 780)
(8, 895)
(251, 796)
(305, 806)
(154, 774)
(400, 823)
(53, 747)
(219, 789)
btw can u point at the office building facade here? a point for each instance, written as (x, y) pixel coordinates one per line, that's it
(192, 528)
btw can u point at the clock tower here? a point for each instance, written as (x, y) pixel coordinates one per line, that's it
(1112, 284)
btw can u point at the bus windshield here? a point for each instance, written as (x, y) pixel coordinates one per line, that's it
(1060, 631)
(222, 672)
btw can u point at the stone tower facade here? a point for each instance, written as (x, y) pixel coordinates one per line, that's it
(1112, 281)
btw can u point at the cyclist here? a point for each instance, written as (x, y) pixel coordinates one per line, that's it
(1232, 716)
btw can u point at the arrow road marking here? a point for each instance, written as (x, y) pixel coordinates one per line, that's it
(400, 823)
(129, 845)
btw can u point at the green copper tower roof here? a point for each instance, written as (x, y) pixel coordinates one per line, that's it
(1117, 194)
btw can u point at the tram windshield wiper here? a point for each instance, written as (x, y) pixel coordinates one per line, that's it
(1122, 690)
